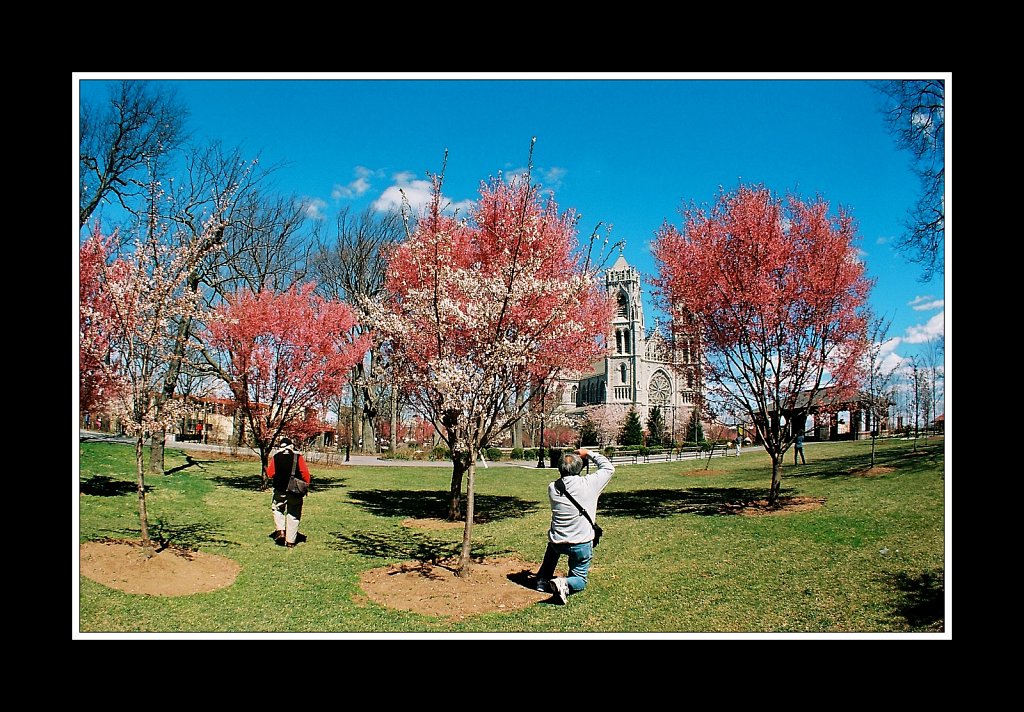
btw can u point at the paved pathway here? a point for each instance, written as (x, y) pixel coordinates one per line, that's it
(337, 458)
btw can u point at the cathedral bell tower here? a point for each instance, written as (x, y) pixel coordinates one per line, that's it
(627, 338)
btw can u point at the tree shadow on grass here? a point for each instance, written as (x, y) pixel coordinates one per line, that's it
(242, 482)
(326, 482)
(928, 458)
(255, 482)
(661, 503)
(424, 504)
(103, 486)
(190, 462)
(920, 600)
(405, 545)
(180, 536)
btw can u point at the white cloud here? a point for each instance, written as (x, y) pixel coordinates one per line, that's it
(923, 333)
(552, 177)
(513, 174)
(461, 207)
(357, 187)
(882, 240)
(314, 208)
(418, 193)
(549, 178)
(890, 362)
(889, 346)
(926, 303)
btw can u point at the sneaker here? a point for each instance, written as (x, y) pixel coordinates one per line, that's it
(560, 587)
(542, 585)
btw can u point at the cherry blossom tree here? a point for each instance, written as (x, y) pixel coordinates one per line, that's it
(779, 298)
(128, 331)
(482, 310)
(282, 356)
(607, 419)
(96, 320)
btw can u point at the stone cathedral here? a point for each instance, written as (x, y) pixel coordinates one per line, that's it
(642, 368)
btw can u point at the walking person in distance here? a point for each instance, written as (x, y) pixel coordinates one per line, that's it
(286, 506)
(798, 448)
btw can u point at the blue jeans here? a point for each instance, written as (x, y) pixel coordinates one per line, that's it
(579, 563)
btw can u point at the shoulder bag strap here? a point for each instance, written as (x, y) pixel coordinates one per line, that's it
(560, 486)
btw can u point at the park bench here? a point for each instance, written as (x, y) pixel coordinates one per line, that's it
(623, 458)
(658, 455)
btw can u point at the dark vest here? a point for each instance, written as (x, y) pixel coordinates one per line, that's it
(283, 470)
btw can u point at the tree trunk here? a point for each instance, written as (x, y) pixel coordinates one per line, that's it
(517, 427)
(369, 435)
(394, 418)
(357, 416)
(773, 494)
(710, 455)
(264, 464)
(461, 462)
(147, 545)
(464, 569)
(873, 438)
(339, 428)
(239, 429)
(156, 452)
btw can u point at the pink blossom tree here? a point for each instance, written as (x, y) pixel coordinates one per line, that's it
(128, 315)
(483, 310)
(96, 320)
(607, 419)
(779, 297)
(282, 355)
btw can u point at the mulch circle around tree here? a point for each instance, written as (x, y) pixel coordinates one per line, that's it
(123, 564)
(433, 589)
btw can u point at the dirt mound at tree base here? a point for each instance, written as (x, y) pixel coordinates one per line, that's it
(433, 589)
(168, 572)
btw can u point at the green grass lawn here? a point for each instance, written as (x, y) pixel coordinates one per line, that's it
(870, 560)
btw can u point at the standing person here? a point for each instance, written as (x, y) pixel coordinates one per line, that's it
(798, 448)
(287, 507)
(570, 532)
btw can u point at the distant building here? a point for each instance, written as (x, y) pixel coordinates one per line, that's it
(643, 369)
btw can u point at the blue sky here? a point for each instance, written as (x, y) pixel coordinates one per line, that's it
(623, 151)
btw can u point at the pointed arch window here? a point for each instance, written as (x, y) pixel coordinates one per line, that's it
(622, 304)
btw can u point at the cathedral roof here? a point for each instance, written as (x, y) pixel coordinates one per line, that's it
(620, 263)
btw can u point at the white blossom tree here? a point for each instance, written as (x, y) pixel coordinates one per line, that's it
(140, 299)
(481, 310)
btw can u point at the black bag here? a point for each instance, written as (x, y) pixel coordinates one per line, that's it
(296, 485)
(598, 531)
